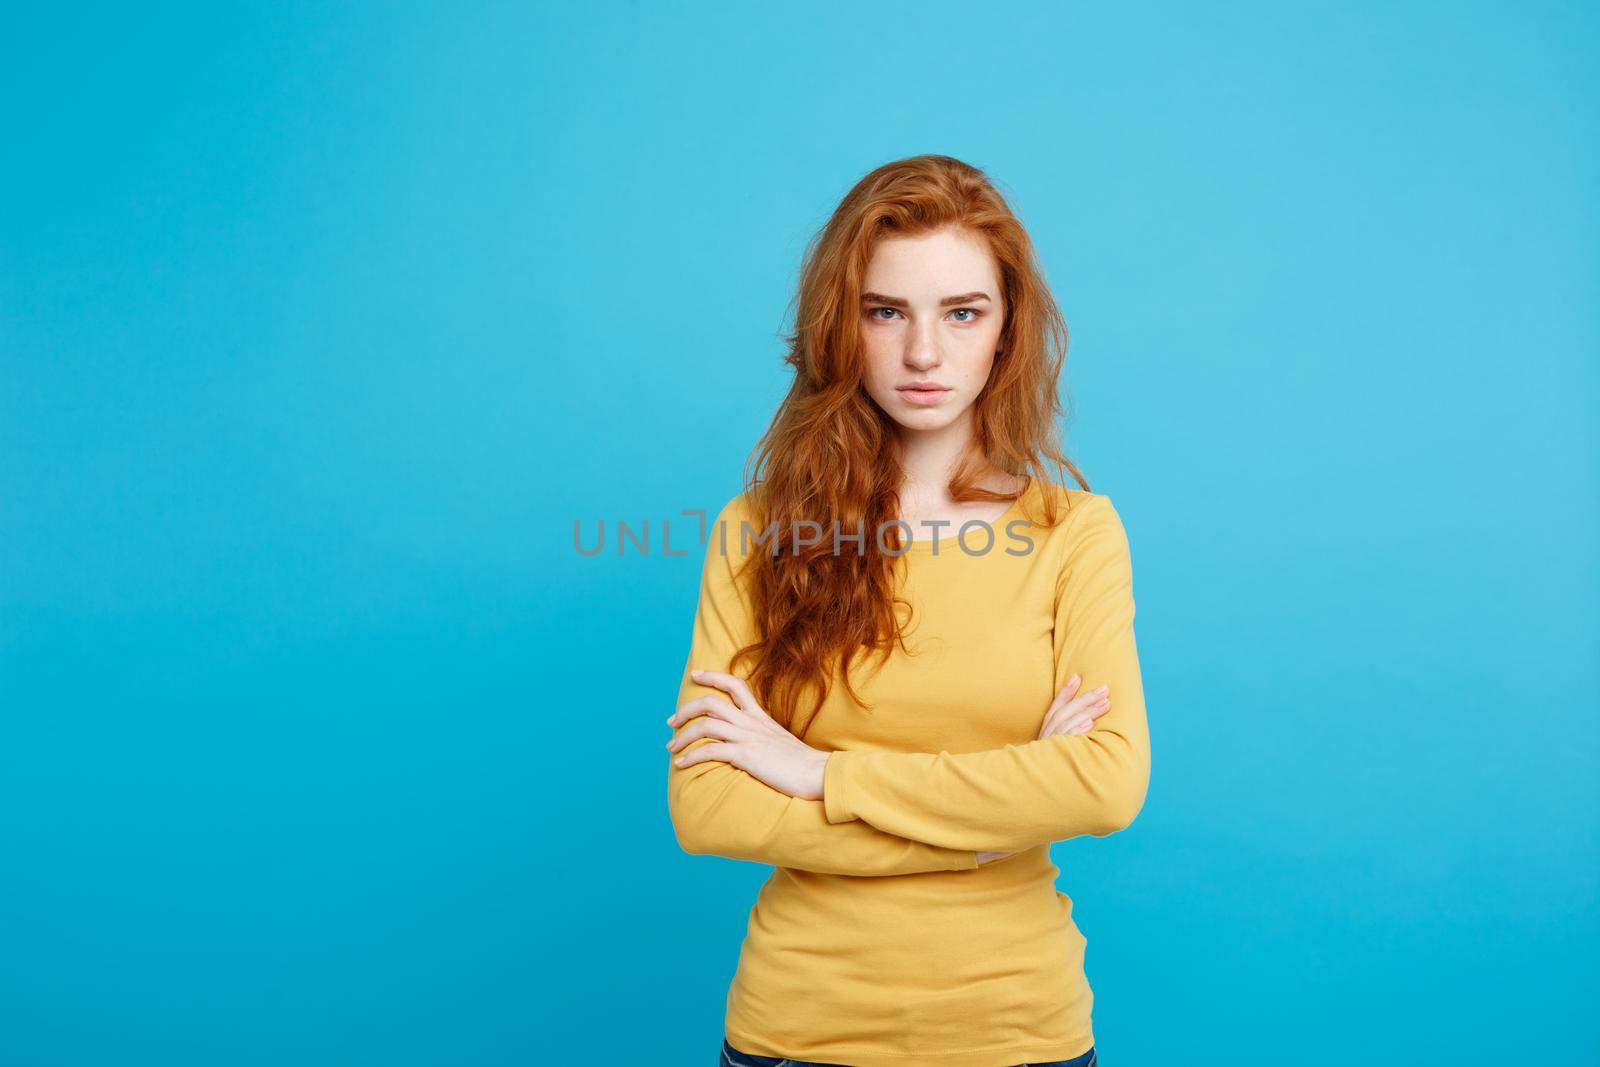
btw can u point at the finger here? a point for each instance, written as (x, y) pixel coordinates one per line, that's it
(1083, 700)
(1079, 715)
(1083, 721)
(733, 685)
(714, 750)
(1078, 704)
(1062, 697)
(1066, 693)
(713, 704)
(703, 726)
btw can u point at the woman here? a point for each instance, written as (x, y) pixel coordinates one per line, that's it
(904, 694)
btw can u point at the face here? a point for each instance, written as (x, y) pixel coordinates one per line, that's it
(931, 314)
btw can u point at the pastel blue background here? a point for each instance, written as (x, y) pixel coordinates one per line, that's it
(320, 326)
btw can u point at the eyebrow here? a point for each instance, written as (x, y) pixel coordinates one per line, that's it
(901, 302)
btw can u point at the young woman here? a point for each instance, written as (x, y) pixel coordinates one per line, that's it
(900, 685)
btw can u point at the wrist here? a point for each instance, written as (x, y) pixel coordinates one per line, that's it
(818, 774)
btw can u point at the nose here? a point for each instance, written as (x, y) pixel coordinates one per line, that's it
(922, 346)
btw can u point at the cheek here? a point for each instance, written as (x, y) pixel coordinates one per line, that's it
(979, 366)
(879, 363)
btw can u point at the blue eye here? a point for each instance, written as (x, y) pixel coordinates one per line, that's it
(973, 314)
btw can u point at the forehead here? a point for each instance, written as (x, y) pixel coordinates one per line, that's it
(948, 260)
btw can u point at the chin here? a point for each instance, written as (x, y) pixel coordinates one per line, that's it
(915, 418)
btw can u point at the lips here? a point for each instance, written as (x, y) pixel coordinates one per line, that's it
(923, 394)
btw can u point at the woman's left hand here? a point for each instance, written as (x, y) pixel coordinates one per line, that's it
(747, 737)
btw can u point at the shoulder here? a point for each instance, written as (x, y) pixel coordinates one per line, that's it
(732, 532)
(735, 508)
(739, 511)
(1089, 542)
(1076, 510)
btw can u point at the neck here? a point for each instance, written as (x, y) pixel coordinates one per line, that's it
(930, 457)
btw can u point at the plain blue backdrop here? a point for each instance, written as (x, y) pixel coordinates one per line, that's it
(322, 325)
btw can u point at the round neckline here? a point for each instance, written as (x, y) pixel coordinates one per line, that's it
(924, 545)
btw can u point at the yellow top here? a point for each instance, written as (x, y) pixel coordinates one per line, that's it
(879, 940)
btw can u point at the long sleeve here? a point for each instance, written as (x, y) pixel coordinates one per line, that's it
(1050, 789)
(720, 809)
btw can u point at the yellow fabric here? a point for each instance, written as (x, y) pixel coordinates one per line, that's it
(879, 940)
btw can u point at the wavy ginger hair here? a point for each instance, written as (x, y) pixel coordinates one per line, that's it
(832, 454)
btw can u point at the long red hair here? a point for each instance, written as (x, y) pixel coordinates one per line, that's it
(831, 453)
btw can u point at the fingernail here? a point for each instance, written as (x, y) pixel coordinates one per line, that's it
(1073, 680)
(694, 674)
(1102, 689)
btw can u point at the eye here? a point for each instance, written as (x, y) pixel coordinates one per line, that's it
(874, 312)
(974, 312)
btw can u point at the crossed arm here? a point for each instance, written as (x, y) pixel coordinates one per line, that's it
(885, 813)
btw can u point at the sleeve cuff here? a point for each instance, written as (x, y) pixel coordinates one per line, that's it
(834, 787)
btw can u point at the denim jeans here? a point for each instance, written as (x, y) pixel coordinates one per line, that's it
(732, 1057)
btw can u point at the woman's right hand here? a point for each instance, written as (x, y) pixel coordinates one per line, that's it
(1070, 713)
(1074, 713)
